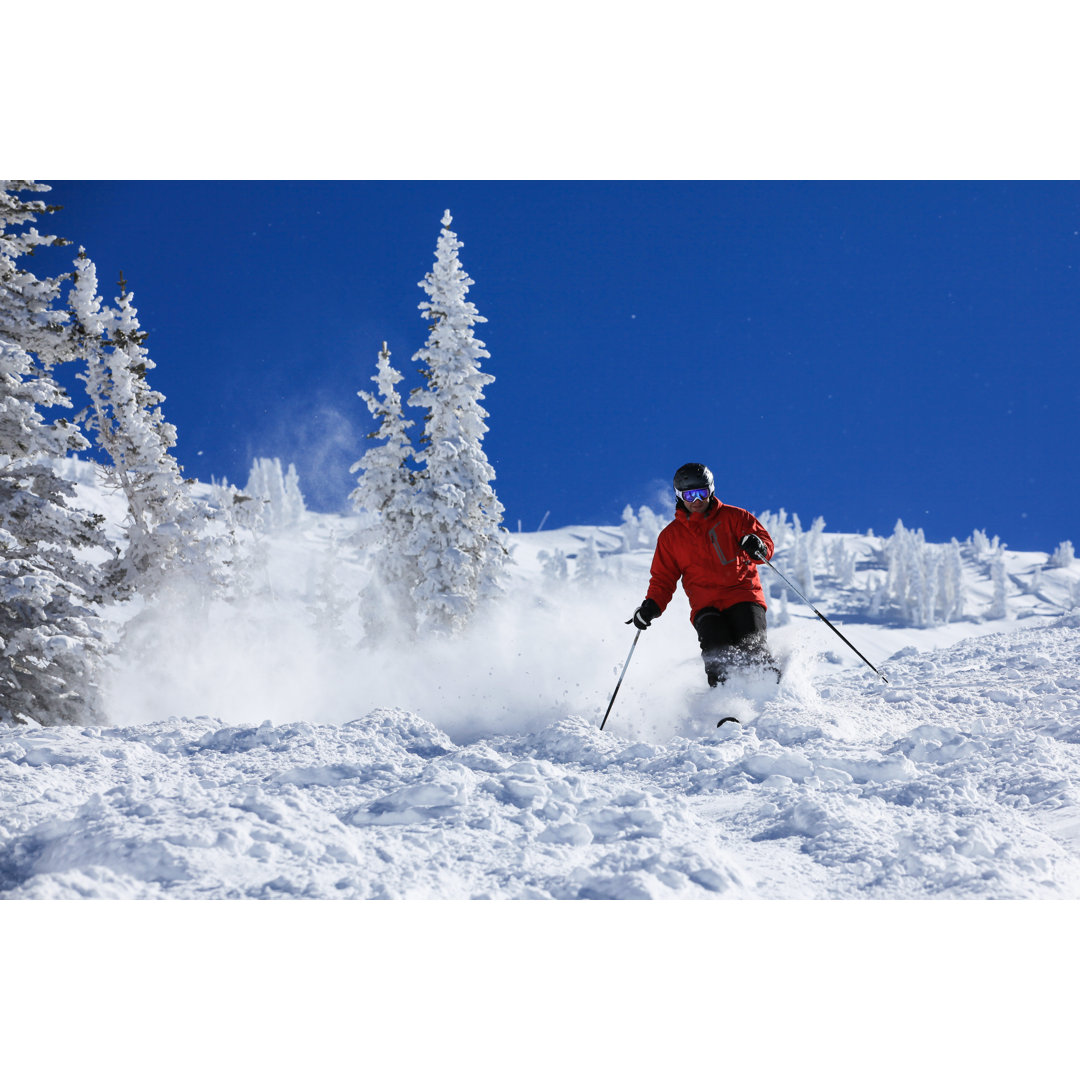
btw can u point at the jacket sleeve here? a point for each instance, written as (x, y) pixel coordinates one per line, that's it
(665, 573)
(755, 526)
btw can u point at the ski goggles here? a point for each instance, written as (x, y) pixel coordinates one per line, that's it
(693, 494)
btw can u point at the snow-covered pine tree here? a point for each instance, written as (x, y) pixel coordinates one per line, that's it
(1073, 601)
(999, 608)
(29, 317)
(842, 562)
(1064, 555)
(802, 556)
(554, 566)
(588, 566)
(294, 508)
(954, 590)
(982, 545)
(461, 545)
(385, 499)
(651, 525)
(911, 575)
(275, 500)
(778, 526)
(50, 634)
(168, 533)
(630, 529)
(327, 602)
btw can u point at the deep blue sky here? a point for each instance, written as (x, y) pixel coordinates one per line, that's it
(865, 351)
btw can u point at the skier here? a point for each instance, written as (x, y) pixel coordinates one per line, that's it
(713, 547)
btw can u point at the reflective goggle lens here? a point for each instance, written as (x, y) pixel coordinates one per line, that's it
(694, 495)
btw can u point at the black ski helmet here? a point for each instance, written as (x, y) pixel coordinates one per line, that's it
(694, 475)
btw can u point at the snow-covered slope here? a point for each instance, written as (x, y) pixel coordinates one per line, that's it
(262, 751)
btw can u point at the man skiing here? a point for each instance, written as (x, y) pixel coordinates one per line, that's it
(714, 548)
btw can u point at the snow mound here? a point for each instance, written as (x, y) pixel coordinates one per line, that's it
(960, 778)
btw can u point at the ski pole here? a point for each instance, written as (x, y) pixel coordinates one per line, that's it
(619, 683)
(826, 622)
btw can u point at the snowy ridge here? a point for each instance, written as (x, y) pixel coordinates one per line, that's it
(315, 766)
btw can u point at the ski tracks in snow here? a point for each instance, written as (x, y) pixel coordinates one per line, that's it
(960, 779)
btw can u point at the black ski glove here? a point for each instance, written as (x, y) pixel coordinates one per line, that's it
(645, 614)
(755, 547)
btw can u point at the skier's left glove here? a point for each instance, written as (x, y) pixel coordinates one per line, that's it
(755, 547)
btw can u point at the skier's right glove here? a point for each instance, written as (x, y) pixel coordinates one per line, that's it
(645, 614)
(755, 547)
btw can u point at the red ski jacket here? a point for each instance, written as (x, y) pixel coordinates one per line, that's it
(703, 549)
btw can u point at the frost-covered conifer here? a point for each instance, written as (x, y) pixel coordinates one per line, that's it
(802, 556)
(925, 582)
(783, 616)
(554, 566)
(954, 589)
(1063, 556)
(630, 529)
(842, 562)
(385, 499)
(275, 501)
(982, 545)
(651, 526)
(50, 636)
(294, 505)
(462, 547)
(167, 531)
(29, 317)
(911, 575)
(327, 603)
(588, 566)
(778, 526)
(1073, 601)
(877, 593)
(932, 585)
(998, 605)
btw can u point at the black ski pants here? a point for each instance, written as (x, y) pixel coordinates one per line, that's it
(733, 638)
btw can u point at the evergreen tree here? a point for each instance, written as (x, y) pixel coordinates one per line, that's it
(275, 499)
(385, 497)
(50, 635)
(954, 583)
(461, 545)
(651, 525)
(554, 566)
(29, 317)
(327, 602)
(630, 529)
(1064, 555)
(168, 532)
(999, 608)
(589, 567)
(293, 506)
(803, 557)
